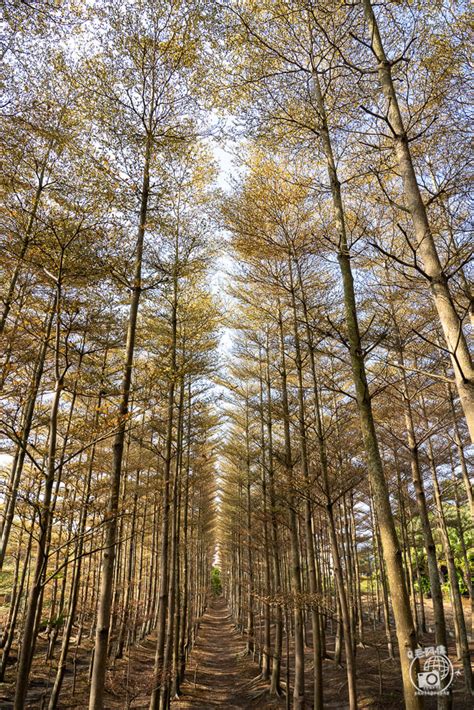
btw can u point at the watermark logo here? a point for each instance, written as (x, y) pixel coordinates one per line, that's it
(435, 672)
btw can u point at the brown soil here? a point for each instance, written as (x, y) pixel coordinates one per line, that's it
(219, 674)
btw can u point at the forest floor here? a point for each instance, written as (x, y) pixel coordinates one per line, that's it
(219, 674)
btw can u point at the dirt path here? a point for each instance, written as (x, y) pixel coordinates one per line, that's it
(219, 675)
(222, 673)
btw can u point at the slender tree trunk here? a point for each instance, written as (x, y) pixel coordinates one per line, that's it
(313, 586)
(35, 597)
(96, 697)
(360, 616)
(462, 639)
(174, 684)
(129, 578)
(275, 688)
(461, 534)
(296, 586)
(164, 560)
(250, 648)
(8, 301)
(75, 585)
(266, 650)
(14, 592)
(462, 459)
(444, 701)
(174, 557)
(391, 549)
(19, 459)
(438, 282)
(383, 579)
(183, 646)
(9, 632)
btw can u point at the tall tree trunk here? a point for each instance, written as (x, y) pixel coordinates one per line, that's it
(296, 586)
(174, 557)
(462, 459)
(165, 526)
(383, 579)
(9, 631)
(460, 625)
(313, 585)
(130, 574)
(275, 688)
(96, 697)
(76, 580)
(250, 647)
(390, 545)
(35, 596)
(20, 455)
(444, 701)
(438, 282)
(183, 646)
(266, 646)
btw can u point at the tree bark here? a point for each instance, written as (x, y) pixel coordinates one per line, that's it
(313, 585)
(438, 282)
(19, 459)
(96, 697)
(275, 688)
(296, 587)
(391, 549)
(164, 560)
(35, 597)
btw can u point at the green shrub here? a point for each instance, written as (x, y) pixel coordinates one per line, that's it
(216, 584)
